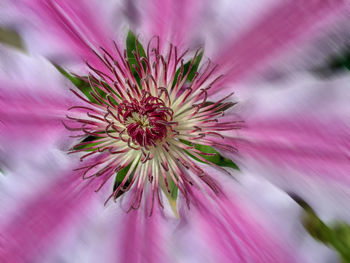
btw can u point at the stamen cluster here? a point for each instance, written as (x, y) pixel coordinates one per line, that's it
(146, 116)
(146, 120)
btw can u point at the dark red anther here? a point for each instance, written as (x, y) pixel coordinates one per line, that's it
(146, 120)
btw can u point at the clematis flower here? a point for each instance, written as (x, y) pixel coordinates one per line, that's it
(158, 112)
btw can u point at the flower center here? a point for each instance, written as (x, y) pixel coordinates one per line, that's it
(146, 120)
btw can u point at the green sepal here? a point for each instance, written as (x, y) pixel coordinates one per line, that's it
(226, 107)
(335, 63)
(173, 189)
(217, 159)
(83, 85)
(80, 83)
(193, 71)
(121, 176)
(171, 195)
(341, 240)
(88, 145)
(335, 235)
(131, 44)
(314, 225)
(10, 37)
(341, 61)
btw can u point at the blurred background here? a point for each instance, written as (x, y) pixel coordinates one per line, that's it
(335, 235)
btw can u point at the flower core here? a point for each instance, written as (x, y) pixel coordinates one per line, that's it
(146, 119)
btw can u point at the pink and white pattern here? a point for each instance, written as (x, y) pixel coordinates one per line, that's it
(296, 136)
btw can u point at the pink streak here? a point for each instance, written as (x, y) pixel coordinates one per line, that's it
(236, 231)
(315, 147)
(45, 218)
(172, 21)
(287, 24)
(141, 237)
(75, 24)
(130, 238)
(32, 115)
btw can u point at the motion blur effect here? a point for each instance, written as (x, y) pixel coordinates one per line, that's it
(174, 131)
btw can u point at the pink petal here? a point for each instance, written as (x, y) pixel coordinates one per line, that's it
(281, 29)
(174, 22)
(233, 228)
(142, 237)
(298, 137)
(46, 218)
(23, 111)
(91, 240)
(71, 30)
(310, 55)
(34, 100)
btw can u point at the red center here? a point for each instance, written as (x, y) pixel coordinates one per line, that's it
(147, 120)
